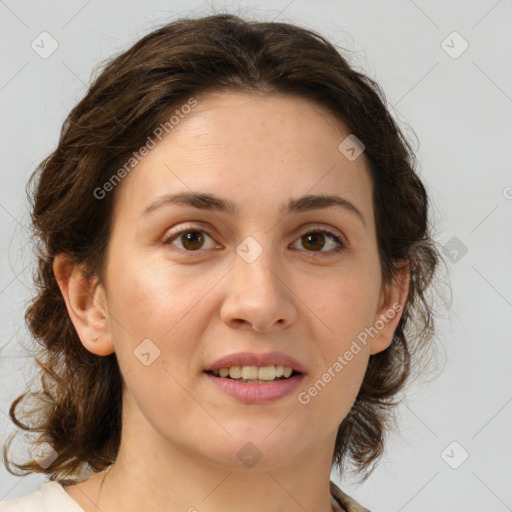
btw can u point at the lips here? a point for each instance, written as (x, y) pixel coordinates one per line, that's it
(262, 393)
(255, 359)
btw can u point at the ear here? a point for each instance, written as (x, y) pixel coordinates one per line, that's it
(86, 304)
(391, 306)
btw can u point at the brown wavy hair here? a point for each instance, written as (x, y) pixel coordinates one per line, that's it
(78, 404)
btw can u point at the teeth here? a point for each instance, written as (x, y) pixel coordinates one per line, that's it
(266, 372)
(250, 373)
(235, 372)
(287, 371)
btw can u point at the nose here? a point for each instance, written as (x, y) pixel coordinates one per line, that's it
(259, 295)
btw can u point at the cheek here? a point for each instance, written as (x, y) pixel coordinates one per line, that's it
(348, 304)
(335, 384)
(152, 298)
(148, 297)
(347, 307)
(152, 321)
(332, 391)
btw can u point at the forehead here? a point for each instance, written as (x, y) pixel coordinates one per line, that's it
(254, 149)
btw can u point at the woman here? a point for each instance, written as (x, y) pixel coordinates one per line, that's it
(234, 253)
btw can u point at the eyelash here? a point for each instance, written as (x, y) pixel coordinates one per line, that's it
(314, 229)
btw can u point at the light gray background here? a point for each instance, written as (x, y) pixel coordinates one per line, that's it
(461, 111)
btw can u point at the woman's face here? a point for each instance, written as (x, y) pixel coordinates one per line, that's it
(187, 283)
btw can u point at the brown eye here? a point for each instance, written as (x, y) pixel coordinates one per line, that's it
(313, 241)
(316, 240)
(190, 239)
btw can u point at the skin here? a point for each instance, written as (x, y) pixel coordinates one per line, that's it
(180, 434)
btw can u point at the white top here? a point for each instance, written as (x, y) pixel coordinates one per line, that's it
(52, 497)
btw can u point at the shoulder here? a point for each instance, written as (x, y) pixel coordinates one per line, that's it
(51, 496)
(343, 500)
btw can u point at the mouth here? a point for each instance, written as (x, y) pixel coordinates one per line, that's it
(245, 389)
(255, 374)
(256, 378)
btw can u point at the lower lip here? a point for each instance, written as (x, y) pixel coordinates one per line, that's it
(257, 393)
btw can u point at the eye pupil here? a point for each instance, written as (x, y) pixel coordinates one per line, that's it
(193, 237)
(192, 240)
(306, 239)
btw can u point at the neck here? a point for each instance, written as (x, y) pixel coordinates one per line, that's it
(130, 486)
(170, 479)
(162, 475)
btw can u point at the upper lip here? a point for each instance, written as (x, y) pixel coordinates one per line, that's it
(254, 359)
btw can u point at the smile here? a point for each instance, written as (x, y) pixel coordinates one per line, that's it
(255, 374)
(256, 391)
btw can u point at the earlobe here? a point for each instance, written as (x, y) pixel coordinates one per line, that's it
(392, 304)
(86, 305)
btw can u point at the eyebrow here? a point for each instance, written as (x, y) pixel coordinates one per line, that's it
(211, 202)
